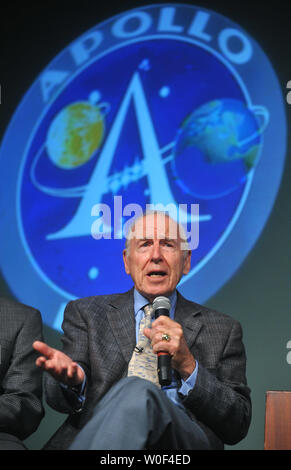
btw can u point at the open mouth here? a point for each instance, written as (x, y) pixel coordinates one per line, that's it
(159, 274)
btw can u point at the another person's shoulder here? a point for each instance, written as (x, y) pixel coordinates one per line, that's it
(11, 307)
(16, 317)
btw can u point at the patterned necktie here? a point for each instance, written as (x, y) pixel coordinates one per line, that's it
(143, 362)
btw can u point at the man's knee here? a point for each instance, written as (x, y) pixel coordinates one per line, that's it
(135, 389)
(134, 385)
(141, 385)
(128, 394)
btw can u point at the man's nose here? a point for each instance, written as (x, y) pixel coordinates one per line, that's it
(156, 252)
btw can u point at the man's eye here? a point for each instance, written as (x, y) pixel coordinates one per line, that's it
(168, 244)
(145, 243)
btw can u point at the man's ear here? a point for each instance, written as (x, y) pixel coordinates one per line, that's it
(187, 262)
(125, 261)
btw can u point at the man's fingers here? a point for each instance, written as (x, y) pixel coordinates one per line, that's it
(58, 364)
(163, 320)
(45, 364)
(72, 371)
(40, 362)
(147, 332)
(43, 349)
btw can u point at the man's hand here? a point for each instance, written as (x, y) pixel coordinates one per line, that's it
(182, 359)
(58, 364)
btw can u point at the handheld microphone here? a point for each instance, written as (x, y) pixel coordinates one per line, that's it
(162, 306)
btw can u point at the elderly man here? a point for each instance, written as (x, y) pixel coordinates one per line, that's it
(21, 407)
(113, 402)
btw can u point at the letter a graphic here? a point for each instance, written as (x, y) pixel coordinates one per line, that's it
(159, 189)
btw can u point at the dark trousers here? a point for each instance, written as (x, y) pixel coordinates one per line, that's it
(135, 414)
(10, 442)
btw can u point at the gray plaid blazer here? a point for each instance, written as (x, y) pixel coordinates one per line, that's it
(99, 334)
(21, 407)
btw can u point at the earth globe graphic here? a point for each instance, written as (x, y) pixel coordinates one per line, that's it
(217, 146)
(75, 134)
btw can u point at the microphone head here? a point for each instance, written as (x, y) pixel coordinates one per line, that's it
(161, 302)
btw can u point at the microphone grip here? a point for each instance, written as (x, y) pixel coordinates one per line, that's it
(164, 359)
(164, 369)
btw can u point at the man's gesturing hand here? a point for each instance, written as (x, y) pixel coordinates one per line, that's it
(58, 364)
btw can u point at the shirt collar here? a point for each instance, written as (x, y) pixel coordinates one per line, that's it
(140, 301)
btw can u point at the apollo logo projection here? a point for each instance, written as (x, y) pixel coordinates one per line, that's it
(165, 105)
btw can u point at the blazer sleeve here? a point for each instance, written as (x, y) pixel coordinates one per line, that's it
(221, 397)
(75, 345)
(21, 407)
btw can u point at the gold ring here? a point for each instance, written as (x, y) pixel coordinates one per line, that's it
(166, 337)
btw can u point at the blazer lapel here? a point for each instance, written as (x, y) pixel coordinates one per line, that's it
(187, 314)
(120, 315)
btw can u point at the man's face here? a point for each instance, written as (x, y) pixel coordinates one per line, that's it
(155, 260)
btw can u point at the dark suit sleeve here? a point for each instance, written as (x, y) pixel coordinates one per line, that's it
(21, 387)
(221, 398)
(75, 345)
